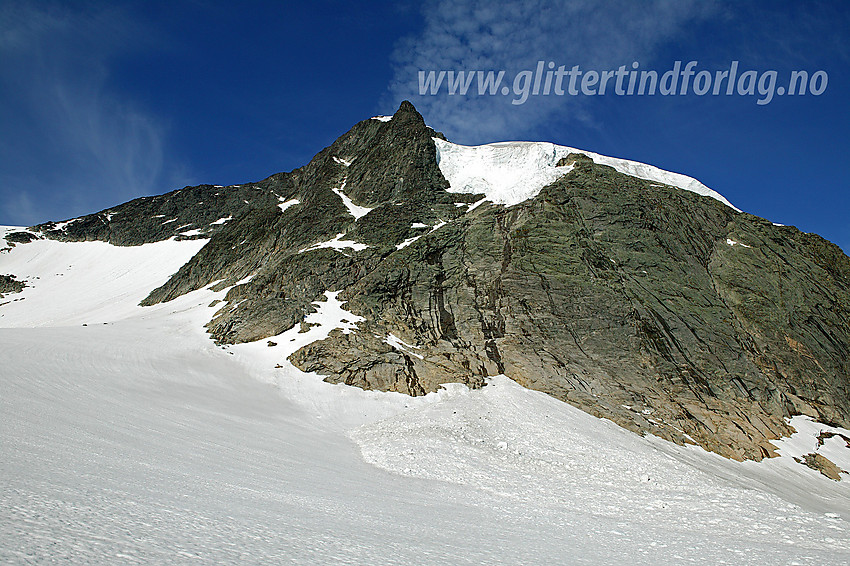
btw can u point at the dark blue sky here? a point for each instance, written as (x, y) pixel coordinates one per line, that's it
(103, 102)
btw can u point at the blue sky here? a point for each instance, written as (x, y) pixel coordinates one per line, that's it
(101, 102)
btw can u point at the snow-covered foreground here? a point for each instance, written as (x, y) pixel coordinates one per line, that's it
(140, 441)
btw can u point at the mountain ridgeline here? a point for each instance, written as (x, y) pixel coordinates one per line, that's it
(665, 311)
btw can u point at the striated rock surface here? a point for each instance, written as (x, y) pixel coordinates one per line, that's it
(663, 310)
(623, 299)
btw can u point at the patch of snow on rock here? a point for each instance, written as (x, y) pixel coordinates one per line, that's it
(355, 211)
(409, 241)
(403, 346)
(812, 437)
(284, 204)
(337, 243)
(62, 225)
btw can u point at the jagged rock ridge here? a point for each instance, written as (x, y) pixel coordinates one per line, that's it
(663, 310)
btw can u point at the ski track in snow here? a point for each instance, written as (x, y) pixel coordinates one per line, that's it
(140, 441)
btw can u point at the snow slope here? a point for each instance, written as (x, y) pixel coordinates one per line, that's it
(86, 282)
(511, 172)
(140, 441)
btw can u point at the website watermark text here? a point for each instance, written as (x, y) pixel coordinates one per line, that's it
(547, 79)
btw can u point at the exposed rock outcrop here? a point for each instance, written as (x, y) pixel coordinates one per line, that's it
(9, 284)
(665, 311)
(822, 464)
(622, 298)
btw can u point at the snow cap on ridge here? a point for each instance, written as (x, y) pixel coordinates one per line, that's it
(511, 172)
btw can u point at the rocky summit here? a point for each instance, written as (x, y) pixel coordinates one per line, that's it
(665, 310)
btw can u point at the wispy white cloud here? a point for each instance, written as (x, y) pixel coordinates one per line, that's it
(513, 35)
(71, 143)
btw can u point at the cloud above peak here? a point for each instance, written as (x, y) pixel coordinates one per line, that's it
(513, 36)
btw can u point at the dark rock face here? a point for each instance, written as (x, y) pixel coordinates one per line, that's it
(9, 284)
(662, 310)
(389, 167)
(20, 237)
(622, 298)
(192, 210)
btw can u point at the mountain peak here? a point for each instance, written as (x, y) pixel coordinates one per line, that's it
(406, 109)
(635, 294)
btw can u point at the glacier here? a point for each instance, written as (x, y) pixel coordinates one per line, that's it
(511, 172)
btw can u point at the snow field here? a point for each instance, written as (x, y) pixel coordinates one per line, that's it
(141, 441)
(72, 283)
